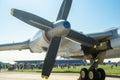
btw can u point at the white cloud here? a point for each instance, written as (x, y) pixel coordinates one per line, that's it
(20, 55)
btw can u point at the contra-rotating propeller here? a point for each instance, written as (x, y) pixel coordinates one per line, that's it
(56, 31)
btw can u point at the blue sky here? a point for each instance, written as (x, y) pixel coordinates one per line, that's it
(86, 16)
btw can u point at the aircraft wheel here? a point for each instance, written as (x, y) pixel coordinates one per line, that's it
(84, 74)
(101, 74)
(93, 74)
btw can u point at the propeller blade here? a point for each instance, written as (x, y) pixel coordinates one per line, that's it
(64, 10)
(50, 57)
(32, 19)
(83, 39)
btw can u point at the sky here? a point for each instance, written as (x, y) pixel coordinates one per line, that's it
(87, 16)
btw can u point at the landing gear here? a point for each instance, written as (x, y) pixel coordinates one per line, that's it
(96, 74)
(93, 73)
(101, 74)
(84, 74)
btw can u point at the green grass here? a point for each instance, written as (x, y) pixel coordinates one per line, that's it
(107, 68)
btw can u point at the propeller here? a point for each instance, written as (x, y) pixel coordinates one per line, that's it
(56, 31)
(80, 38)
(50, 57)
(55, 43)
(32, 19)
(64, 10)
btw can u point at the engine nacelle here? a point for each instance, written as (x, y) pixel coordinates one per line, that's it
(39, 43)
(115, 43)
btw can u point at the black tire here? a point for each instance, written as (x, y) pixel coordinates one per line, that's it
(101, 74)
(83, 74)
(93, 74)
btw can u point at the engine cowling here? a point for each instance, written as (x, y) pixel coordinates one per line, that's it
(39, 43)
(115, 43)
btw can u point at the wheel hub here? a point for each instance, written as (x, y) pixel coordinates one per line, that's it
(91, 75)
(83, 74)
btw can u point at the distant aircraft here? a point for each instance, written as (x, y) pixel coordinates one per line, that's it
(57, 37)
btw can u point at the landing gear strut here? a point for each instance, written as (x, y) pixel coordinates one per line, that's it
(93, 73)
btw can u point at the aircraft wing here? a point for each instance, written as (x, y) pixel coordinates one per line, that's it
(102, 35)
(77, 55)
(15, 46)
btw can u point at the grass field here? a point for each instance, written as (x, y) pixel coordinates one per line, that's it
(107, 68)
